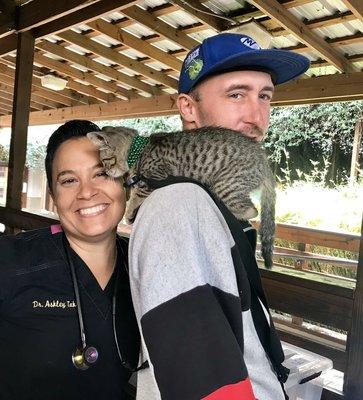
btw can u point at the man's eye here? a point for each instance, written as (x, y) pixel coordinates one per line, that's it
(236, 95)
(265, 96)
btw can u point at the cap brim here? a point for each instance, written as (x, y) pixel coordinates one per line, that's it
(285, 65)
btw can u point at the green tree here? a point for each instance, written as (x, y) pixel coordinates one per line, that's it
(314, 134)
(146, 126)
(35, 156)
(4, 154)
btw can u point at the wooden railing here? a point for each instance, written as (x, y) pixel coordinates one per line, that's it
(329, 302)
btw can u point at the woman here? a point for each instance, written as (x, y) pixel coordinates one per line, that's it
(63, 288)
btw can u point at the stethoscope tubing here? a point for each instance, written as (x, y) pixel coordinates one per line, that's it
(82, 330)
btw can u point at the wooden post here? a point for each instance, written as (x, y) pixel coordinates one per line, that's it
(299, 265)
(353, 379)
(20, 118)
(354, 166)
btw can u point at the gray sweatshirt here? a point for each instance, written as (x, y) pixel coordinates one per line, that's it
(185, 296)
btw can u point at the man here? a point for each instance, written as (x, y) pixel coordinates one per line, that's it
(198, 297)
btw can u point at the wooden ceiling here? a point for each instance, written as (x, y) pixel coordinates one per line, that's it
(121, 58)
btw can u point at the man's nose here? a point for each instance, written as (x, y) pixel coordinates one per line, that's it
(87, 190)
(253, 112)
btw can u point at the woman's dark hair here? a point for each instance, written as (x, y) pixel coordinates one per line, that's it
(73, 129)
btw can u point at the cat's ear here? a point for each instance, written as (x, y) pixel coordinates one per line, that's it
(98, 138)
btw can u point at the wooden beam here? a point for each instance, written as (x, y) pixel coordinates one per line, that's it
(147, 107)
(36, 100)
(322, 88)
(196, 8)
(24, 220)
(275, 10)
(46, 93)
(4, 94)
(353, 383)
(315, 301)
(164, 9)
(319, 237)
(103, 7)
(354, 163)
(44, 102)
(97, 67)
(322, 63)
(65, 96)
(8, 44)
(39, 12)
(336, 42)
(5, 106)
(120, 59)
(149, 20)
(84, 77)
(20, 118)
(113, 31)
(7, 7)
(7, 99)
(356, 6)
(295, 3)
(276, 30)
(90, 12)
(7, 17)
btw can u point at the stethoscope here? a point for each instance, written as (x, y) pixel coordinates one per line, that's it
(85, 356)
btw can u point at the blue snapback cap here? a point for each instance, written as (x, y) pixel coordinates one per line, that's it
(232, 52)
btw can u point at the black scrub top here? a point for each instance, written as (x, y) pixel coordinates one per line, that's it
(39, 326)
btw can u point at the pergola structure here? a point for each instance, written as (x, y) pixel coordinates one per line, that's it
(120, 59)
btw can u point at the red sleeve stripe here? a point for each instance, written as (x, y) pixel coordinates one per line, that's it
(237, 391)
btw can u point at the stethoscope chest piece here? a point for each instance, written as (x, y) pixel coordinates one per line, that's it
(84, 358)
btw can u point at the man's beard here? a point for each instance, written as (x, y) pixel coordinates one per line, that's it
(255, 133)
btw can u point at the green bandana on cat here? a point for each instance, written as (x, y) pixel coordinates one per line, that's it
(137, 146)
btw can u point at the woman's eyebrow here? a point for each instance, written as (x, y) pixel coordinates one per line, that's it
(71, 171)
(65, 172)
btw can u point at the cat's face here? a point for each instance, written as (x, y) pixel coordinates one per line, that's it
(238, 100)
(113, 144)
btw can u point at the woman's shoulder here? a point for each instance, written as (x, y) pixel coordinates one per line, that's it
(25, 237)
(24, 249)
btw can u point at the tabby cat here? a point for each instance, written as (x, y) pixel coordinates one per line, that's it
(228, 163)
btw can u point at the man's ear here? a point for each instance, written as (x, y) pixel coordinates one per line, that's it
(188, 110)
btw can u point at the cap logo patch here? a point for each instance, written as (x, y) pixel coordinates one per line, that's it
(194, 68)
(247, 41)
(192, 55)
